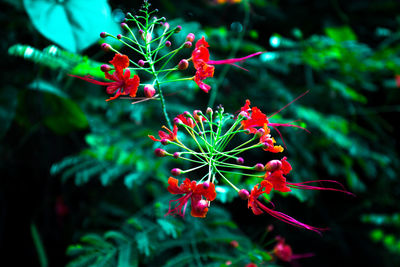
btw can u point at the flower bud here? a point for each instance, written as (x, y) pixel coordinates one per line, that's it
(260, 132)
(176, 155)
(234, 243)
(124, 25)
(164, 141)
(187, 45)
(197, 115)
(183, 64)
(206, 185)
(190, 37)
(240, 160)
(105, 68)
(119, 36)
(187, 114)
(141, 32)
(242, 114)
(200, 206)
(176, 171)
(177, 121)
(160, 152)
(178, 29)
(103, 34)
(167, 43)
(209, 111)
(106, 47)
(166, 25)
(141, 63)
(149, 90)
(244, 194)
(273, 165)
(259, 167)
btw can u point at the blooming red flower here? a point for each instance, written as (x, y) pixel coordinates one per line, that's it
(279, 182)
(193, 191)
(259, 208)
(121, 83)
(171, 135)
(204, 66)
(185, 120)
(283, 251)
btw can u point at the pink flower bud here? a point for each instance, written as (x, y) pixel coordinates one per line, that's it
(119, 36)
(190, 37)
(206, 185)
(103, 34)
(187, 114)
(244, 194)
(176, 155)
(105, 68)
(166, 25)
(176, 171)
(141, 32)
(197, 115)
(188, 44)
(164, 141)
(167, 43)
(124, 25)
(141, 63)
(209, 111)
(177, 121)
(234, 243)
(242, 114)
(178, 29)
(259, 167)
(273, 165)
(149, 90)
(260, 132)
(183, 64)
(160, 152)
(201, 205)
(240, 160)
(106, 47)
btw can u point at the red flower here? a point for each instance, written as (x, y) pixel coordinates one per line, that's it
(259, 208)
(279, 182)
(204, 66)
(185, 120)
(283, 251)
(171, 135)
(194, 192)
(121, 83)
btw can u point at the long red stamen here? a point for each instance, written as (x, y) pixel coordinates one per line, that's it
(289, 104)
(303, 185)
(89, 78)
(232, 60)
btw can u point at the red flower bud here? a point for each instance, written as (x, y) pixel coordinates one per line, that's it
(244, 194)
(259, 167)
(160, 152)
(206, 185)
(200, 206)
(176, 171)
(234, 243)
(260, 132)
(105, 68)
(190, 37)
(183, 64)
(273, 165)
(149, 90)
(188, 44)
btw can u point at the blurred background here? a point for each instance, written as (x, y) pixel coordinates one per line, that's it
(80, 185)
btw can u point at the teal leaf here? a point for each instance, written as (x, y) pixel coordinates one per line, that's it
(8, 105)
(42, 85)
(73, 24)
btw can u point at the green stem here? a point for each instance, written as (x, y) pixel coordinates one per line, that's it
(39, 246)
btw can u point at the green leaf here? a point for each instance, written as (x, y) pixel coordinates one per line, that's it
(73, 24)
(341, 34)
(142, 241)
(42, 85)
(167, 227)
(65, 115)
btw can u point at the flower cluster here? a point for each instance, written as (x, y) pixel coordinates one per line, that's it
(212, 134)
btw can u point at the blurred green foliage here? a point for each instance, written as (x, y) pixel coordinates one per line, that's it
(346, 54)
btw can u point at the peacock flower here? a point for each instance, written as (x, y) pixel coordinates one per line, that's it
(121, 83)
(193, 191)
(165, 137)
(204, 66)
